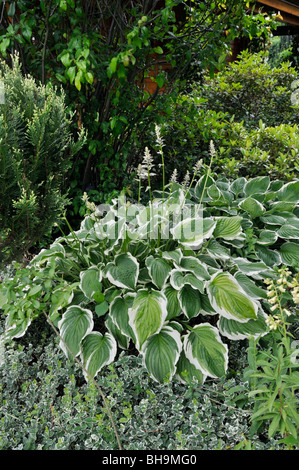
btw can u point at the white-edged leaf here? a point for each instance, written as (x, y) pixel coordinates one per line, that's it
(288, 232)
(251, 268)
(187, 372)
(124, 271)
(267, 237)
(190, 301)
(235, 330)
(75, 324)
(173, 305)
(90, 281)
(289, 253)
(229, 299)
(195, 266)
(161, 352)
(158, 269)
(97, 351)
(118, 312)
(257, 185)
(192, 231)
(147, 314)
(174, 255)
(249, 286)
(289, 192)
(56, 250)
(253, 207)
(205, 350)
(217, 251)
(122, 340)
(228, 228)
(268, 256)
(179, 278)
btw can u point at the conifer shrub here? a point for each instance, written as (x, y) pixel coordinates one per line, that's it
(36, 150)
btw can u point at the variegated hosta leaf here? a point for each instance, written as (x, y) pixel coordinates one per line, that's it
(56, 250)
(90, 281)
(257, 185)
(161, 352)
(251, 268)
(289, 192)
(217, 251)
(267, 237)
(250, 287)
(97, 351)
(288, 232)
(289, 253)
(191, 232)
(123, 272)
(147, 314)
(190, 301)
(75, 324)
(118, 311)
(195, 266)
(122, 340)
(228, 228)
(229, 299)
(173, 305)
(204, 349)
(178, 279)
(158, 270)
(174, 255)
(187, 372)
(269, 257)
(235, 330)
(253, 207)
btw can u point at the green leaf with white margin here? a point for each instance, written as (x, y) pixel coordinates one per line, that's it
(195, 266)
(90, 281)
(268, 256)
(192, 231)
(281, 206)
(252, 290)
(122, 340)
(180, 278)
(258, 185)
(124, 271)
(174, 255)
(204, 349)
(228, 228)
(253, 207)
(237, 186)
(158, 270)
(119, 313)
(288, 232)
(161, 352)
(251, 268)
(267, 237)
(97, 351)
(235, 330)
(173, 305)
(229, 299)
(55, 250)
(187, 372)
(190, 301)
(75, 324)
(147, 314)
(217, 251)
(289, 253)
(289, 192)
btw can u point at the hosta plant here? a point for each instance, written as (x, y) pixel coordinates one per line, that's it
(174, 280)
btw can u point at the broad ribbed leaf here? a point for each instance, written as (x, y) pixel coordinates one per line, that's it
(204, 349)
(191, 232)
(190, 301)
(75, 324)
(192, 264)
(97, 351)
(124, 271)
(267, 237)
(228, 228)
(258, 185)
(187, 372)
(118, 311)
(180, 278)
(147, 314)
(161, 352)
(253, 207)
(250, 287)
(251, 268)
(235, 330)
(173, 305)
(289, 253)
(158, 269)
(288, 232)
(90, 281)
(289, 192)
(269, 257)
(229, 299)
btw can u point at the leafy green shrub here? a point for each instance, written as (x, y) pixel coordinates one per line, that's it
(36, 150)
(163, 280)
(250, 90)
